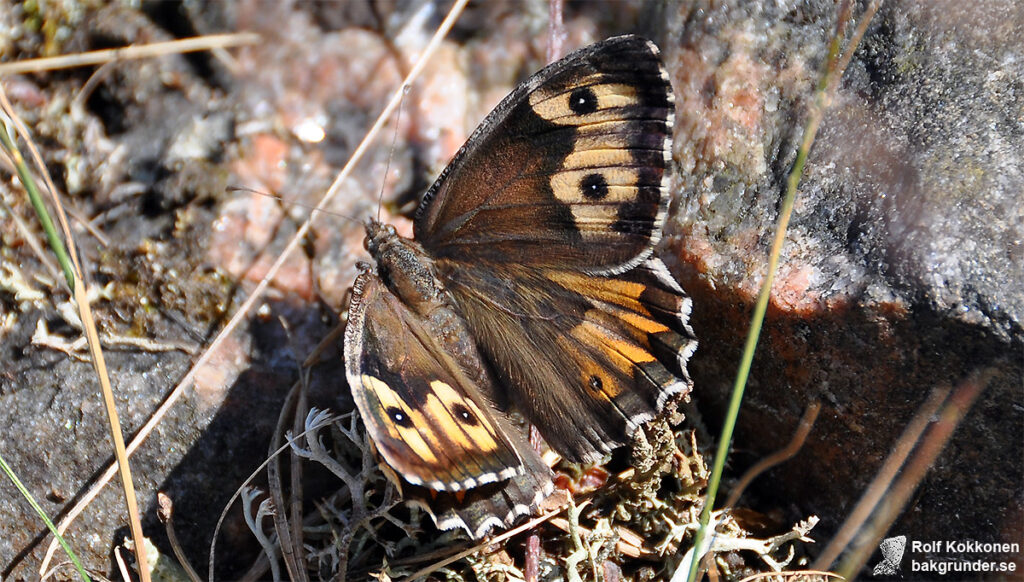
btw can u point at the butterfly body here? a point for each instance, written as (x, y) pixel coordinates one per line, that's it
(530, 286)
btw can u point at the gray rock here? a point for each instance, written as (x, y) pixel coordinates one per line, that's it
(902, 270)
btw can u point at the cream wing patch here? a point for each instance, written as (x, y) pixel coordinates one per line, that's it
(590, 101)
(445, 425)
(598, 176)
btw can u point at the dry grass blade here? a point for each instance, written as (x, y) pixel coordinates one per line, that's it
(885, 502)
(67, 256)
(185, 45)
(99, 363)
(878, 488)
(250, 302)
(289, 537)
(295, 516)
(322, 421)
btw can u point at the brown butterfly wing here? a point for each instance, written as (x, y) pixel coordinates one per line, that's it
(542, 229)
(586, 358)
(428, 418)
(568, 171)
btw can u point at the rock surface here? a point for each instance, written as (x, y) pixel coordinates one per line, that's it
(903, 263)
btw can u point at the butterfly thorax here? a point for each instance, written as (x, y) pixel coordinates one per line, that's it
(404, 267)
(411, 276)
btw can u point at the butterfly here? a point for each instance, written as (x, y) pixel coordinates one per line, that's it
(530, 288)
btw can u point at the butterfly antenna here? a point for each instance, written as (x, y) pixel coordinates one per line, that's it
(394, 143)
(281, 199)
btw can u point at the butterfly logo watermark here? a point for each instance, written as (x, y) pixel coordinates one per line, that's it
(892, 555)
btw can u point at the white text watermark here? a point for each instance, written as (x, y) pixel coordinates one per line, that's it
(946, 557)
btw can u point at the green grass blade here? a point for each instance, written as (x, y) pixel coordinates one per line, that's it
(37, 202)
(42, 514)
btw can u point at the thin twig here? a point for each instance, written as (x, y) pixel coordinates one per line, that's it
(156, 49)
(796, 442)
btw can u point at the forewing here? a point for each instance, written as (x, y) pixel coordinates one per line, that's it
(568, 171)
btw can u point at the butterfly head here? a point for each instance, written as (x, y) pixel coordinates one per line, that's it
(378, 236)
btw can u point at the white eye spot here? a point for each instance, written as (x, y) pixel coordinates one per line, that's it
(465, 414)
(399, 417)
(583, 101)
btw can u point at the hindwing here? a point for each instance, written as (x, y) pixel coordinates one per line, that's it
(586, 359)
